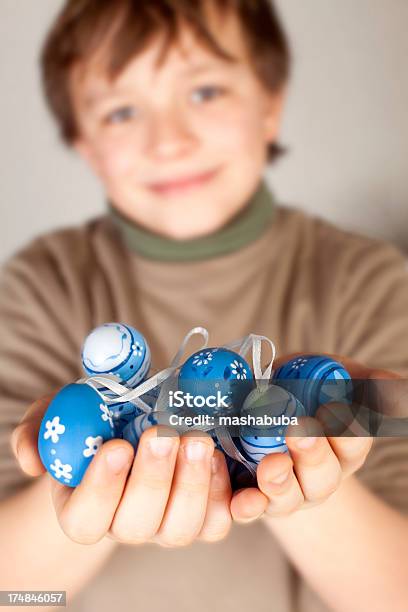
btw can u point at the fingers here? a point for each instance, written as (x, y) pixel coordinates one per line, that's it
(187, 504)
(351, 452)
(314, 469)
(217, 522)
(145, 498)
(277, 480)
(316, 466)
(248, 504)
(24, 438)
(308, 475)
(86, 512)
(173, 493)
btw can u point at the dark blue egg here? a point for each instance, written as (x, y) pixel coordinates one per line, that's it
(76, 423)
(216, 372)
(315, 380)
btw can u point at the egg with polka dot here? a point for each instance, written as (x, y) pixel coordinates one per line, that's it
(212, 371)
(117, 349)
(76, 423)
(315, 380)
(265, 434)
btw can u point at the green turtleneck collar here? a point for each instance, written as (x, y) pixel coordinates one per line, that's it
(244, 228)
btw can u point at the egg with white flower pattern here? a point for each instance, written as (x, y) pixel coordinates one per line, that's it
(118, 349)
(219, 373)
(76, 423)
(315, 380)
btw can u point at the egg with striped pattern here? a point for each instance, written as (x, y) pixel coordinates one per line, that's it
(260, 438)
(315, 380)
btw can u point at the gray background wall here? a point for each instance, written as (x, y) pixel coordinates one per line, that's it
(346, 123)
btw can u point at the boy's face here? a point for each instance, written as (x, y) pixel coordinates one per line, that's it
(179, 148)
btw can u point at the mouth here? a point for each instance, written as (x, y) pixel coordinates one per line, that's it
(183, 184)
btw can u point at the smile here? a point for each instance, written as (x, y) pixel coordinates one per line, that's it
(182, 185)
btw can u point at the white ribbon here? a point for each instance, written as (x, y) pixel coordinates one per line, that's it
(244, 344)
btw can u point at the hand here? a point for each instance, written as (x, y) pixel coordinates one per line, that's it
(316, 465)
(173, 491)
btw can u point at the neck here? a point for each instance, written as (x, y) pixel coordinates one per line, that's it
(244, 228)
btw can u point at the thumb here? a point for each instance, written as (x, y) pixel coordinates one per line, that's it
(24, 438)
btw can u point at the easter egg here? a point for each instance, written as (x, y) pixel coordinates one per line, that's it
(271, 409)
(150, 397)
(315, 380)
(75, 425)
(133, 430)
(218, 379)
(118, 349)
(122, 414)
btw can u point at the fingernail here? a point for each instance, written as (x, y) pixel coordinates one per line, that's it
(118, 459)
(280, 478)
(195, 451)
(161, 446)
(304, 443)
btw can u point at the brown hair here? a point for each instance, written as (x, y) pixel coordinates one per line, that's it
(127, 27)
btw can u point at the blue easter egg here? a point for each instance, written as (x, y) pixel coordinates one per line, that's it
(315, 380)
(257, 447)
(76, 423)
(122, 414)
(118, 349)
(150, 397)
(125, 412)
(133, 430)
(217, 372)
(261, 437)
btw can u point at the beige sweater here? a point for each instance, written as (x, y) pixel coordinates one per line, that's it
(304, 283)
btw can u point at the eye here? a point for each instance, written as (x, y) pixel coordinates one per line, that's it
(120, 115)
(208, 92)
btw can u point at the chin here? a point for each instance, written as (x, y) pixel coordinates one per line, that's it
(195, 226)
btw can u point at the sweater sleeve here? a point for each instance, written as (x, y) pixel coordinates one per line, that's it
(371, 315)
(39, 349)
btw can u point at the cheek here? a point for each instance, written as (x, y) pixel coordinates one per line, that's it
(116, 158)
(236, 128)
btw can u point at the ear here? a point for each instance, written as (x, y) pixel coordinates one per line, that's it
(273, 110)
(85, 151)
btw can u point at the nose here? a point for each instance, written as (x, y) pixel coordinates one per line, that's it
(168, 135)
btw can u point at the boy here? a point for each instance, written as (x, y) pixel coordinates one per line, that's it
(194, 237)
